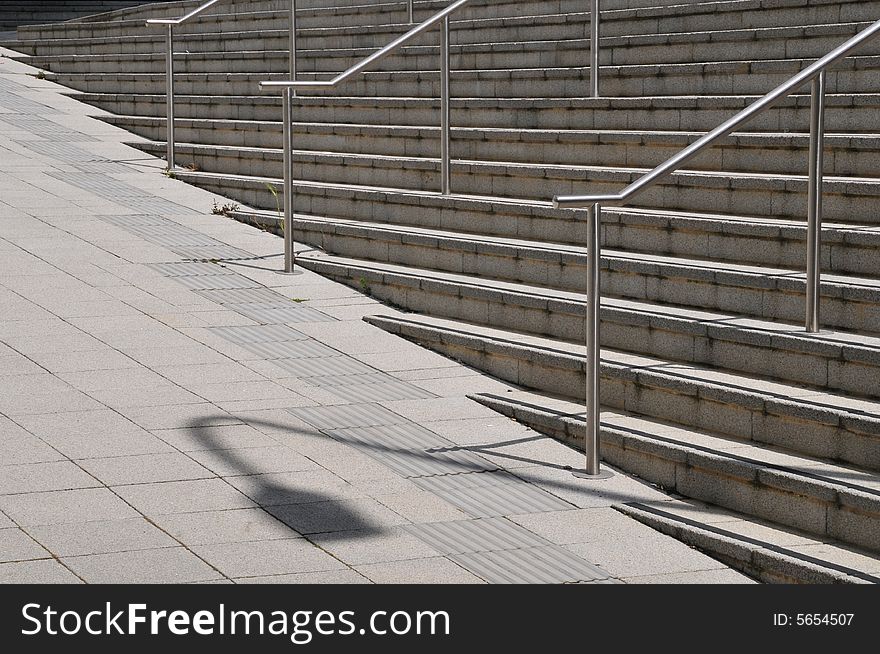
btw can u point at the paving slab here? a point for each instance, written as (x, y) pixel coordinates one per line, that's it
(231, 434)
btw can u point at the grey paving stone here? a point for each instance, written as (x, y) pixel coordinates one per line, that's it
(644, 555)
(228, 526)
(145, 468)
(48, 476)
(157, 566)
(272, 313)
(435, 570)
(259, 333)
(364, 546)
(183, 496)
(720, 576)
(18, 446)
(181, 416)
(75, 361)
(267, 557)
(363, 515)
(342, 576)
(420, 506)
(94, 433)
(219, 437)
(46, 571)
(378, 392)
(253, 460)
(295, 487)
(67, 506)
(15, 545)
(307, 368)
(582, 525)
(101, 537)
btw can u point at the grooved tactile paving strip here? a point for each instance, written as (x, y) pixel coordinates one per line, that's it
(211, 252)
(480, 535)
(417, 464)
(65, 152)
(536, 565)
(409, 436)
(45, 128)
(238, 295)
(301, 349)
(348, 415)
(136, 220)
(215, 282)
(306, 368)
(487, 494)
(380, 392)
(258, 333)
(322, 381)
(268, 313)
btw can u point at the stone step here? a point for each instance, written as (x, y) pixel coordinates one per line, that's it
(759, 411)
(838, 361)
(850, 199)
(769, 43)
(764, 152)
(559, 269)
(762, 550)
(705, 78)
(518, 24)
(821, 499)
(856, 113)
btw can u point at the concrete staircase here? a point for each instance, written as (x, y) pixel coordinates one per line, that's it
(13, 13)
(767, 438)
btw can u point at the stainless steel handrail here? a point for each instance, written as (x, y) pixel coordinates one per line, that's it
(814, 73)
(442, 17)
(170, 24)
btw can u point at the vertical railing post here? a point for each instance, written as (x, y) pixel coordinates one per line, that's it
(288, 180)
(169, 96)
(814, 210)
(293, 40)
(594, 49)
(409, 9)
(594, 255)
(444, 107)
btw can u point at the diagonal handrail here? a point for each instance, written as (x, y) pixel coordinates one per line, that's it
(815, 73)
(287, 86)
(170, 24)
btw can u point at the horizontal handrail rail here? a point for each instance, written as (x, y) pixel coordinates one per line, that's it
(674, 163)
(368, 61)
(289, 86)
(814, 73)
(182, 19)
(170, 24)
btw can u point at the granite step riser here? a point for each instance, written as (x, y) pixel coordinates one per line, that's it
(766, 562)
(860, 119)
(735, 155)
(621, 330)
(741, 414)
(426, 57)
(620, 278)
(745, 487)
(842, 201)
(574, 84)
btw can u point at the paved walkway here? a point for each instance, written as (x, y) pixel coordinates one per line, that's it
(172, 409)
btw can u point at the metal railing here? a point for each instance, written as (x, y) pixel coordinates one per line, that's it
(441, 17)
(170, 24)
(814, 73)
